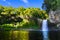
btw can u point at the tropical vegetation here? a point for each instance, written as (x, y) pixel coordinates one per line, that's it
(21, 17)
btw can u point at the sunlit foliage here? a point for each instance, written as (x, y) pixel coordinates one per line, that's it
(21, 17)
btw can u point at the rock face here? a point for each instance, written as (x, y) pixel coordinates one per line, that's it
(54, 16)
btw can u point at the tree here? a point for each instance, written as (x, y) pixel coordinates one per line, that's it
(58, 4)
(50, 5)
(1, 9)
(8, 10)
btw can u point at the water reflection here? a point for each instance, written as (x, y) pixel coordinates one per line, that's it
(28, 35)
(14, 35)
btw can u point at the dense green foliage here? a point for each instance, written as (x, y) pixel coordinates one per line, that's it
(21, 17)
(50, 5)
(58, 4)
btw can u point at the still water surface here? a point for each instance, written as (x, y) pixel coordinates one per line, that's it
(28, 35)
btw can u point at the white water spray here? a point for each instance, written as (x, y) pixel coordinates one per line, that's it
(45, 30)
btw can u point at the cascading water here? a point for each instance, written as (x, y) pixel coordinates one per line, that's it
(45, 30)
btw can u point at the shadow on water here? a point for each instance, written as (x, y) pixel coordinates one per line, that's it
(35, 35)
(54, 35)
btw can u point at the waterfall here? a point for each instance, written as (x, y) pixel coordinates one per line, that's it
(45, 30)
